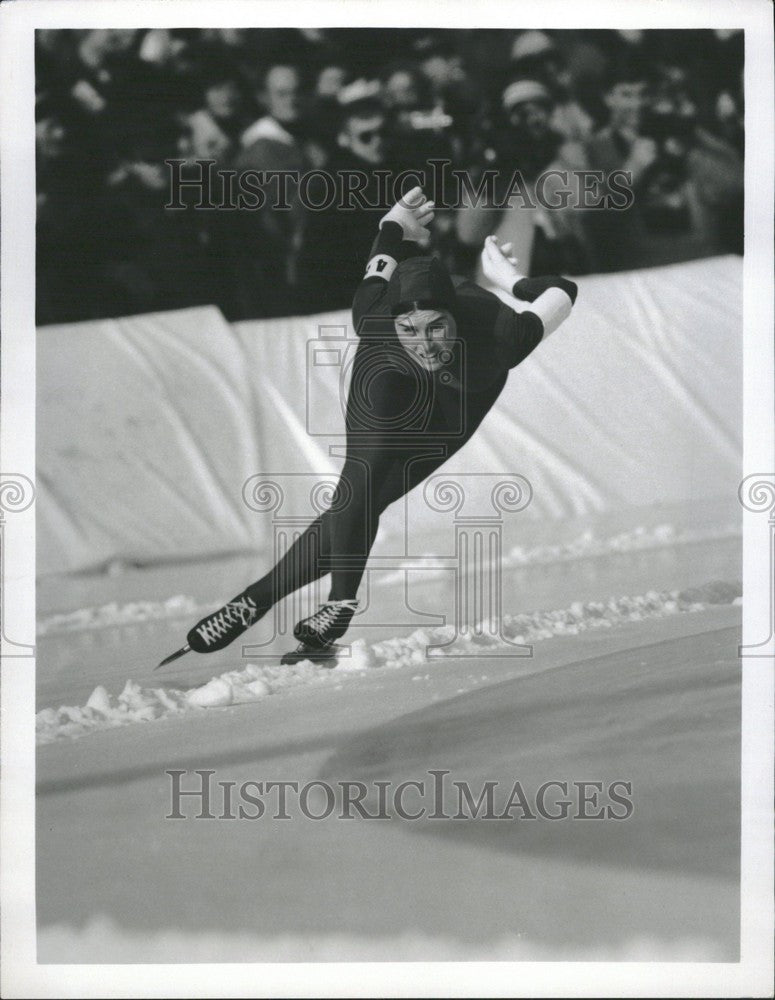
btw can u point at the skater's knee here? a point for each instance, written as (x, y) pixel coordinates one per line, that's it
(352, 489)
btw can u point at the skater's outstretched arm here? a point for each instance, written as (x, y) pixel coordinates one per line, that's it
(402, 234)
(551, 297)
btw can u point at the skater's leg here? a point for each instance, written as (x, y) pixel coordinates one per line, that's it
(340, 539)
(304, 563)
(355, 515)
(388, 402)
(349, 527)
(383, 467)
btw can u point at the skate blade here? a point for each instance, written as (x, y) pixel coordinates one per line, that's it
(180, 652)
(303, 652)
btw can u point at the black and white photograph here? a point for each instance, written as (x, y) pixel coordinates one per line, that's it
(387, 499)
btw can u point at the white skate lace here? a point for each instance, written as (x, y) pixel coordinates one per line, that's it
(327, 615)
(240, 612)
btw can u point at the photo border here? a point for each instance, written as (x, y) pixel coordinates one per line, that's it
(21, 976)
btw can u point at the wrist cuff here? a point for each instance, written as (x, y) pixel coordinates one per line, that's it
(552, 307)
(381, 266)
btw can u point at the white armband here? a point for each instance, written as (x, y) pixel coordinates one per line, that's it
(381, 266)
(552, 307)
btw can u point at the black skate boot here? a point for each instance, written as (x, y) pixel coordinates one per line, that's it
(329, 623)
(317, 634)
(220, 628)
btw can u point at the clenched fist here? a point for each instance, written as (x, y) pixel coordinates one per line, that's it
(413, 213)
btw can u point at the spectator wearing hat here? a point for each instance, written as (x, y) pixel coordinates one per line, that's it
(543, 239)
(535, 55)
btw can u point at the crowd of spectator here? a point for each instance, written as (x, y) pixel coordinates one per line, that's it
(113, 106)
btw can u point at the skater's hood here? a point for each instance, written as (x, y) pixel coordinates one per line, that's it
(420, 283)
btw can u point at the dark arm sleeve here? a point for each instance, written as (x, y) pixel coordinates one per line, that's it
(389, 243)
(528, 289)
(516, 335)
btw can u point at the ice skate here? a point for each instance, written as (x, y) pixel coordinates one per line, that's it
(320, 631)
(219, 629)
(303, 652)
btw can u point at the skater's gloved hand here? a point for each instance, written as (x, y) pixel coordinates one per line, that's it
(499, 267)
(414, 213)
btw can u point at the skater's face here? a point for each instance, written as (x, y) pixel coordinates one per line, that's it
(427, 335)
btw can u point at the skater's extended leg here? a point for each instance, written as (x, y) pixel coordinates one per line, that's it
(302, 564)
(354, 520)
(305, 561)
(354, 523)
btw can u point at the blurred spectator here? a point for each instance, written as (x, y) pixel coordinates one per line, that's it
(418, 130)
(621, 145)
(324, 112)
(453, 92)
(405, 88)
(331, 79)
(536, 56)
(544, 241)
(273, 236)
(104, 63)
(716, 169)
(336, 241)
(113, 104)
(161, 47)
(152, 259)
(687, 182)
(214, 129)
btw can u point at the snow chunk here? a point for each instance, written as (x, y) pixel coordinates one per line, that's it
(214, 694)
(258, 688)
(361, 658)
(99, 700)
